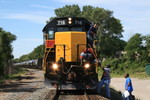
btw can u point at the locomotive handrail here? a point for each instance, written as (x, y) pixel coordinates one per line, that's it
(95, 55)
(47, 55)
(70, 67)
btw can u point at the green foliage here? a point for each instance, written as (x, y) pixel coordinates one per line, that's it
(135, 49)
(108, 46)
(6, 39)
(146, 39)
(16, 74)
(123, 65)
(68, 11)
(38, 52)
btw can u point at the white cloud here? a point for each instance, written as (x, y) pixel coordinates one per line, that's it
(37, 18)
(42, 6)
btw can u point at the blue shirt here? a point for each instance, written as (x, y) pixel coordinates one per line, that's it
(129, 88)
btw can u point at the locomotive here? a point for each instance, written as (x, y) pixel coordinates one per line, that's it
(65, 39)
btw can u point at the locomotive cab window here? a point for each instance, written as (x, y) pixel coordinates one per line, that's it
(51, 33)
(62, 29)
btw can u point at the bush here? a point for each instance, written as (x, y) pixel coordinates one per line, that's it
(122, 66)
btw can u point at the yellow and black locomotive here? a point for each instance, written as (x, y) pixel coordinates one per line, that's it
(65, 39)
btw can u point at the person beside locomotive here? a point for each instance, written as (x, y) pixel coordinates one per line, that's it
(128, 86)
(91, 34)
(105, 80)
(87, 55)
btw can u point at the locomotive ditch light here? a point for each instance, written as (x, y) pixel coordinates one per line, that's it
(87, 66)
(55, 66)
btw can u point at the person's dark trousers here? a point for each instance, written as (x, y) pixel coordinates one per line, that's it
(90, 41)
(130, 96)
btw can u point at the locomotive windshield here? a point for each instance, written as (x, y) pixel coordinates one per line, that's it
(51, 33)
(62, 29)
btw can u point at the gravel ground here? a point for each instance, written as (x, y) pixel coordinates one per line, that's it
(28, 87)
(31, 87)
(141, 87)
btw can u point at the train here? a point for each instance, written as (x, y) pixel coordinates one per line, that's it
(65, 39)
(35, 63)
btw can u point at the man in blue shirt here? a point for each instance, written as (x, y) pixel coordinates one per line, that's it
(128, 85)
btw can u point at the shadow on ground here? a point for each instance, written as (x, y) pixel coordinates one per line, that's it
(20, 86)
(115, 95)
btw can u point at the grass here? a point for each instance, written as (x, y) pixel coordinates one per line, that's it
(17, 72)
(134, 73)
(139, 75)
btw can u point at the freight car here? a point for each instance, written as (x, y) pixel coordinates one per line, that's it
(65, 39)
(36, 63)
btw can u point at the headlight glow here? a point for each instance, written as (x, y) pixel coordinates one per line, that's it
(87, 65)
(70, 22)
(55, 66)
(69, 18)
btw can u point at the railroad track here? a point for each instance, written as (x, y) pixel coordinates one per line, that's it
(73, 95)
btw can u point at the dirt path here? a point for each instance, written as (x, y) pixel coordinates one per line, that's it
(141, 87)
(29, 86)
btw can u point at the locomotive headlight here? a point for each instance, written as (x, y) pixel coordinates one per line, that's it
(87, 65)
(55, 66)
(69, 20)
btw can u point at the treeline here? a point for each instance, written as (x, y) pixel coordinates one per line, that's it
(38, 52)
(6, 39)
(133, 58)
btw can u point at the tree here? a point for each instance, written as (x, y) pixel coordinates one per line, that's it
(134, 46)
(6, 38)
(147, 46)
(87, 12)
(38, 52)
(68, 11)
(109, 31)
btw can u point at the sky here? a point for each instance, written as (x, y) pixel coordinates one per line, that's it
(26, 18)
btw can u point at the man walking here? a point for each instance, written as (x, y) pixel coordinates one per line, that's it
(105, 80)
(128, 85)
